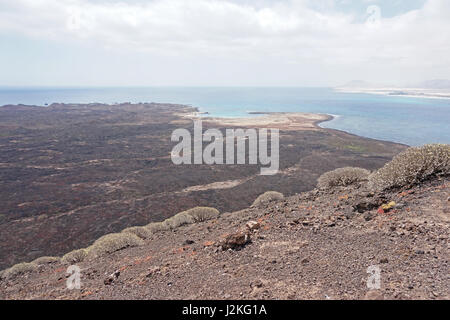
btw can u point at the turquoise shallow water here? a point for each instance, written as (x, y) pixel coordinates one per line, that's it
(413, 121)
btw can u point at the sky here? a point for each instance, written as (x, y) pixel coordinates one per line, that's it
(222, 42)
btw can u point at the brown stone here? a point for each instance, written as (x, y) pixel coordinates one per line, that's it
(235, 240)
(253, 225)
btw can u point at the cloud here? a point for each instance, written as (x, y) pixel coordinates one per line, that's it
(297, 32)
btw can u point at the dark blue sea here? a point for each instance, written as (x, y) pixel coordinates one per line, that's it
(412, 121)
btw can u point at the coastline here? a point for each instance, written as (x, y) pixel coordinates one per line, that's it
(290, 121)
(401, 92)
(356, 111)
(278, 120)
(330, 117)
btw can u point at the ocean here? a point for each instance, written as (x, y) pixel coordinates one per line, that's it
(412, 121)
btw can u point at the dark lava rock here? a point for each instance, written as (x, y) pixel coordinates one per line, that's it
(367, 205)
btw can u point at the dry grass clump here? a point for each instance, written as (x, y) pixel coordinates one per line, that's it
(200, 214)
(141, 232)
(46, 260)
(412, 166)
(19, 269)
(113, 242)
(180, 219)
(157, 226)
(194, 215)
(342, 177)
(268, 197)
(129, 237)
(74, 256)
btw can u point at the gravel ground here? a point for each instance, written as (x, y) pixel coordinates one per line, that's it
(316, 245)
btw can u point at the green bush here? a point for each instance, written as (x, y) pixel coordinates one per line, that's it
(342, 177)
(268, 197)
(113, 242)
(74, 256)
(46, 260)
(200, 214)
(19, 269)
(141, 232)
(412, 166)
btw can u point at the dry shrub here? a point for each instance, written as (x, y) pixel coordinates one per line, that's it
(46, 260)
(412, 166)
(113, 242)
(74, 256)
(19, 269)
(342, 177)
(178, 220)
(157, 226)
(141, 232)
(197, 214)
(200, 214)
(268, 197)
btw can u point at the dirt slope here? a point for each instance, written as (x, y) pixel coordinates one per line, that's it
(316, 245)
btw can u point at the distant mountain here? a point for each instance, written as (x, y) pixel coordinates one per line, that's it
(428, 84)
(435, 84)
(362, 84)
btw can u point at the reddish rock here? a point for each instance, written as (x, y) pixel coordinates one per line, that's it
(235, 240)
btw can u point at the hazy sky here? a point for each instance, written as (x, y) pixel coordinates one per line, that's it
(222, 42)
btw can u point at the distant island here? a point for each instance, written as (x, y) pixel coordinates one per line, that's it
(432, 89)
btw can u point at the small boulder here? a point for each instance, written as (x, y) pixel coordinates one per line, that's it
(235, 240)
(400, 206)
(112, 277)
(367, 205)
(253, 225)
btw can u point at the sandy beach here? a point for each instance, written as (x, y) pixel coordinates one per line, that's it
(289, 121)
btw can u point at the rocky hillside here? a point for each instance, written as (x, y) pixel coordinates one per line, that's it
(72, 173)
(314, 245)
